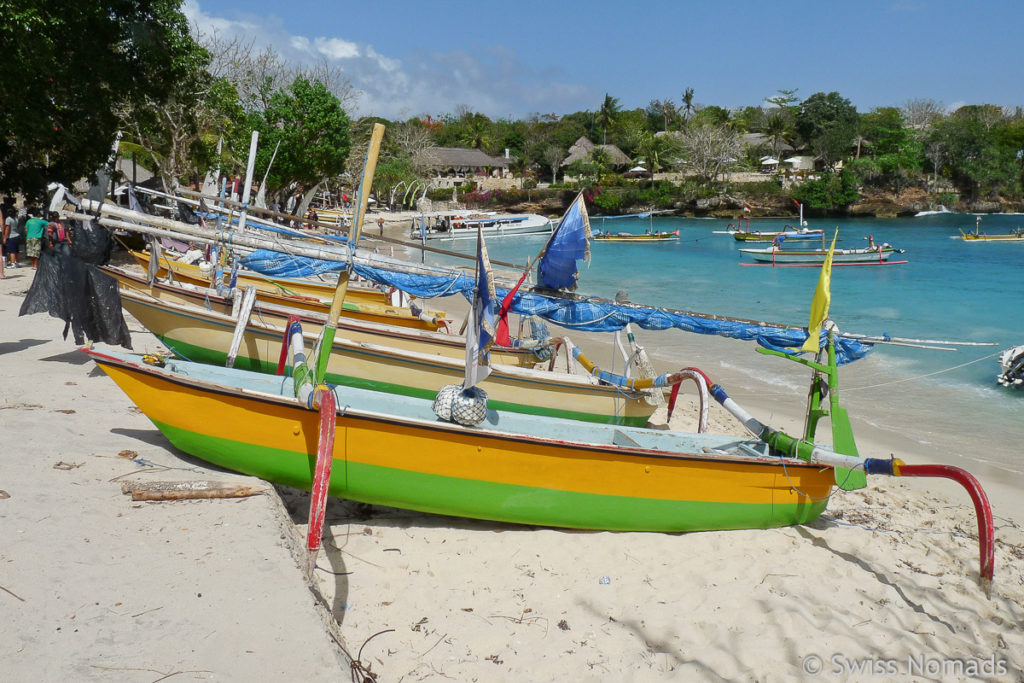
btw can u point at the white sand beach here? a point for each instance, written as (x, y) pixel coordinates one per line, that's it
(96, 587)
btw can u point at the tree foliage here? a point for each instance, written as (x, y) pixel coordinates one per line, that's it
(830, 191)
(68, 70)
(828, 123)
(313, 131)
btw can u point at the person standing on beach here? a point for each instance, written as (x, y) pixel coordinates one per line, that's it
(12, 237)
(35, 228)
(57, 232)
(3, 243)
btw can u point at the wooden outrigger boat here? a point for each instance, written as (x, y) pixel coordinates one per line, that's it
(285, 287)
(406, 452)
(978, 236)
(464, 226)
(197, 334)
(874, 254)
(392, 450)
(307, 295)
(354, 329)
(788, 233)
(635, 238)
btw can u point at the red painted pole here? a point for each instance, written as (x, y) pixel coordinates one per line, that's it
(321, 475)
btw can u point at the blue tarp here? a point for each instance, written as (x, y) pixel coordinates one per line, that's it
(588, 316)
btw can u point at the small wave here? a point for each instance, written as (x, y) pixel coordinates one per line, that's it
(770, 379)
(940, 210)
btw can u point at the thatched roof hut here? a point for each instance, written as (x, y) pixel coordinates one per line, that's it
(583, 148)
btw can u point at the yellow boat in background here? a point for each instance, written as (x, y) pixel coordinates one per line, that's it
(366, 304)
(355, 329)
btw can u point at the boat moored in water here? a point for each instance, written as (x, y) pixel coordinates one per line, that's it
(1011, 363)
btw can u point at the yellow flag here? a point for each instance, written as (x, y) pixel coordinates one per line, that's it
(822, 298)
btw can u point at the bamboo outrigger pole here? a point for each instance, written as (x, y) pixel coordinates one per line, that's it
(369, 167)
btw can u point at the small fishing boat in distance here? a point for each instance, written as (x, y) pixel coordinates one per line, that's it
(978, 236)
(775, 255)
(452, 226)
(637, 238)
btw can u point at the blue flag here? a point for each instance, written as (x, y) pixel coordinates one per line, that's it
(569, 243)
(480, 331)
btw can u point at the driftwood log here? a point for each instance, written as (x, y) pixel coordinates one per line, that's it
(188, 490)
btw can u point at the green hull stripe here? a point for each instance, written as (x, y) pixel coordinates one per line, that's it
(200, 354)
(489, 500)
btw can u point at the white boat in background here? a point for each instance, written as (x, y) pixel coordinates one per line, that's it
(1011, 362)
(452, 226)
(870, 255)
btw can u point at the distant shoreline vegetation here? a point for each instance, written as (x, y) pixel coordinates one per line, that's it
(175, 96)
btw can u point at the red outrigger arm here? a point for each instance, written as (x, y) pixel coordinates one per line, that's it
(982, 508)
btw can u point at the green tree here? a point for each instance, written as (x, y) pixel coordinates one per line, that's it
(313, 131)
(68, 70)
(662, 113)
(606, 115)
(785, 100)
(711, 115)
(828, 123)
(778, 127)
(895, 150)
(833, 191)
(982, 159)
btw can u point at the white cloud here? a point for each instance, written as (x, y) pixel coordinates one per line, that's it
(336, 48)
(492, 80)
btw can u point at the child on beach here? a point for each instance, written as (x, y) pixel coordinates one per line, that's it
(57, 232)
(35, 228)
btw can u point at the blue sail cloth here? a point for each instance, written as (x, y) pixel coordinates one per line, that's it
(568, 244)
(588, 316)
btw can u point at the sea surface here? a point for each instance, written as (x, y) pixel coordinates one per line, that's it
(949, 289)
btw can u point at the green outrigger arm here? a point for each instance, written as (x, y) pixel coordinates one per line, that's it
(843, 441)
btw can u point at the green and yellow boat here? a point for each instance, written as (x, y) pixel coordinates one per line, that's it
(392, 450)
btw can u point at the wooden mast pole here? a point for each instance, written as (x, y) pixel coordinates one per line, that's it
(369, 167)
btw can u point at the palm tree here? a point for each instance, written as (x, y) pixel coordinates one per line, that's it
(779, 131)
(688, 103)
(606, 115)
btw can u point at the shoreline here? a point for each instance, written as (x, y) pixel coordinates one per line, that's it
(889, 572)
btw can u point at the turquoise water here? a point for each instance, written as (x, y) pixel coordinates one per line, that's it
(949, 289)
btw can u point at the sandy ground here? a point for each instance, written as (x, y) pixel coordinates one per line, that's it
(96, 587)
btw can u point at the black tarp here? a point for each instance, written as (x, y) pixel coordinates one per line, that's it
(92, 243)
(80, 294)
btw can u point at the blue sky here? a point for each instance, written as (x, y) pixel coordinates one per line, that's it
(514, 58)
